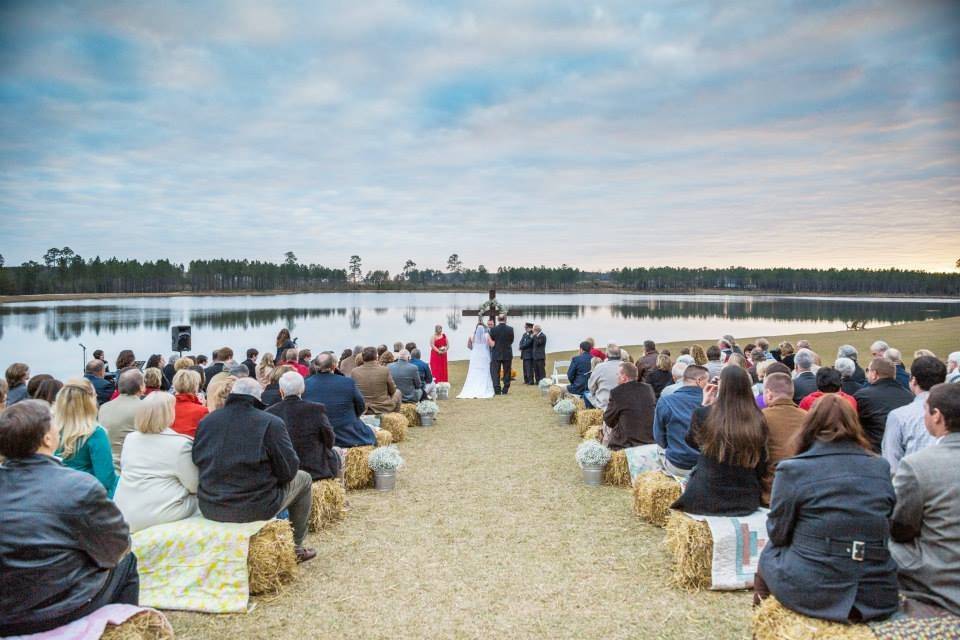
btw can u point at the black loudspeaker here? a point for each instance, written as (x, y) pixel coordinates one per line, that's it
(180, 335)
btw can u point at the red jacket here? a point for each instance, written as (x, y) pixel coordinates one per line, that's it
(302, 370)
(187, 414)
(808, 401)
(596, 353)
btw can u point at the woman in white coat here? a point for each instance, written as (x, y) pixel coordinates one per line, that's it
(158, 480)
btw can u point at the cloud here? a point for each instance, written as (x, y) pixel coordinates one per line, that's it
(510, 132)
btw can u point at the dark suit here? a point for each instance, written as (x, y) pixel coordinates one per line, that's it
(211, 371)
(875, 402)
(629, 415)
(501, 354)
(526, 356)
(803, 385)
(578, 374)
(344, 404)
(311, 435)
(251, 367)
(539, 356)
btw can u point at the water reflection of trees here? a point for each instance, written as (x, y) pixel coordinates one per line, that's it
(67, 322)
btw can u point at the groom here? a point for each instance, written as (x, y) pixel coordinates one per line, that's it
(501, 354)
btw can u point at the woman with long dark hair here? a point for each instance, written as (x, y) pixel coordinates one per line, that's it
(283, 343)
(829, 523)
(731, 435)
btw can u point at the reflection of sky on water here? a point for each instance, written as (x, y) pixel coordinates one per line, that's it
(51, 332)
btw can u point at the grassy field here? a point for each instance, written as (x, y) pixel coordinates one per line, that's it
(492, 534)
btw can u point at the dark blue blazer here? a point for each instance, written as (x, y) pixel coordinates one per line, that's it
(837, 491)
(579, 373)
(344, 404)
(104, 388)
(425, 376)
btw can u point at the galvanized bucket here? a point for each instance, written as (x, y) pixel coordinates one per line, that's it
(426, 419)
(593, 475)
(563, 419)
(544, 392)
(443, 394)
(385, 480)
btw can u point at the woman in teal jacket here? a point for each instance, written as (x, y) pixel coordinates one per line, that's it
(84, 444)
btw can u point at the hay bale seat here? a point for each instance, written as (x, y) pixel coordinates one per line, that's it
(691, 545)
(617, 472)
(396, 424)
(555, 394)
(773, 621)
(586, 418)
(329, 497)
(271, 560)
(384, 437)
(146, 625)
(653, 493)
(356, 473)
(594, 433)
(409, 412)
(578, 403)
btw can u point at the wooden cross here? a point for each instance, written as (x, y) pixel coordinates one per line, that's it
(493, 312)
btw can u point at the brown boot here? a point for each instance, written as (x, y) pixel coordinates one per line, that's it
(305, 554)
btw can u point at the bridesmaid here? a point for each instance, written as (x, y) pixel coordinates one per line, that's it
(438, 355)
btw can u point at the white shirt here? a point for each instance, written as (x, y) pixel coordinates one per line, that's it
(905, 432)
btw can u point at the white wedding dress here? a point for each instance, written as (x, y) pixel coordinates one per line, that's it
(479, 384)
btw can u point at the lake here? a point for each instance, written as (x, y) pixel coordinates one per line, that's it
(48, 335)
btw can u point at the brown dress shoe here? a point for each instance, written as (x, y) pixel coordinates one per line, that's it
(304, 554)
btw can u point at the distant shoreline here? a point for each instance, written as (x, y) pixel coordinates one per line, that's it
(54, 297)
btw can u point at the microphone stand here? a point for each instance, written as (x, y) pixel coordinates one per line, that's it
(82, 346)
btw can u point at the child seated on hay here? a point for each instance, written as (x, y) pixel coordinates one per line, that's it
(731, 436)
(63, 543)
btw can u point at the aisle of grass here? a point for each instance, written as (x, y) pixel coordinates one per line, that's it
(491, 533)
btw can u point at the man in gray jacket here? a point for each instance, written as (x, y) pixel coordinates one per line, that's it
(407, 377)
(925, 527)
(605, 377)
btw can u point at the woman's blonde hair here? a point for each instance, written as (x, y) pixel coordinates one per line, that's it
(217, 392)
(761, 368)
(664, 363)
(75, 411)
(265, 367)
(155, 413)
(153, 378)
(699, 355)
(183, 363)
(186, 381)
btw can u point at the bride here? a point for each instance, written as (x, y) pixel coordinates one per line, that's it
(479, 384)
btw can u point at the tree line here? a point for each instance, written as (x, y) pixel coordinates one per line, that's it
(63, 271)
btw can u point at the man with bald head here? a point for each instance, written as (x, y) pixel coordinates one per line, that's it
(878, 398)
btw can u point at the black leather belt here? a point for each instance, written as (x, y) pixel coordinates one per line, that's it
(858, 550)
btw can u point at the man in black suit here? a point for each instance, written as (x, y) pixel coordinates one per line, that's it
(526, 353)
(501, 354)
(251, 362)
(805, 381)
(539, 354)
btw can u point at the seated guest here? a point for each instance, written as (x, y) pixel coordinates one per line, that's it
(381, 349)
(677, 373)
(649, 358)
(303, 357)
(376, 384)
(714, 365)
(35, 382)
(699, 355)
(386, 358)
(157, 362)
(828, 381)
(773, 367)
(881, 395)
(902, 377)
(905, 431)
(290, 359)
(230, 370)
(829, 523)
(63, 543)
(271, 393)
(152, 380)
(201, 361)
(407, 377)
(671, 422)
(660, 376)
(579, 372)
(117, 416)
(220, 358)
(309, 429)
(94, 372)
(251, 363)
(158, 483)
(343, 401)
(188, 411)
(125, 360)
(878, 349)
(847, 368)
(628, 418)
(760, 370)
(265, 369)
(217, 393)
(925, 527)
(47, 391)
(248, 467)
(784, 423)
(731, 436)
(605, 377)
(953, 367)
(84, 444)
(347, 361)
(849, 351)
(426, 376)
(805, 380)
(170, 370)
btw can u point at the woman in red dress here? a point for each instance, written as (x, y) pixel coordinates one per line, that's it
(438, 355)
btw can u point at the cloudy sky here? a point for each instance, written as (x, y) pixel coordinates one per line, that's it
(511, 132)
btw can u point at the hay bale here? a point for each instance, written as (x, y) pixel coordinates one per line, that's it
(146, 625)
(578, 403)
(356, 473)
(773, 621)
(329, 497)
(409, 412)
(617, 472)
(555, 393)
(384, 437)
(653, 493)
(396, 424)
(586, 418)
(271, 559)
(594, 433)
(691, 545)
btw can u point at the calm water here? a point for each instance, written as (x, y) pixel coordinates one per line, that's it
(48, 335)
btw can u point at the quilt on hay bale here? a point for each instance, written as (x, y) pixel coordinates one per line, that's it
(716, 552)
(212, 567)
(112, 622)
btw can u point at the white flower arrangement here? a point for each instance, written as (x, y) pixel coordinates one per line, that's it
(565, 407)
(591, 453)
(546, 383)
(385, 459)
(493, 306)
(428, 407)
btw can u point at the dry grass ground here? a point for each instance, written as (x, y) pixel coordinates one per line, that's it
(492, 534)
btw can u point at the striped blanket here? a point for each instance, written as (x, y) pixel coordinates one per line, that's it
(737, 543)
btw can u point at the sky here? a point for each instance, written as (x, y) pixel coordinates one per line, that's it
(511, 132)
